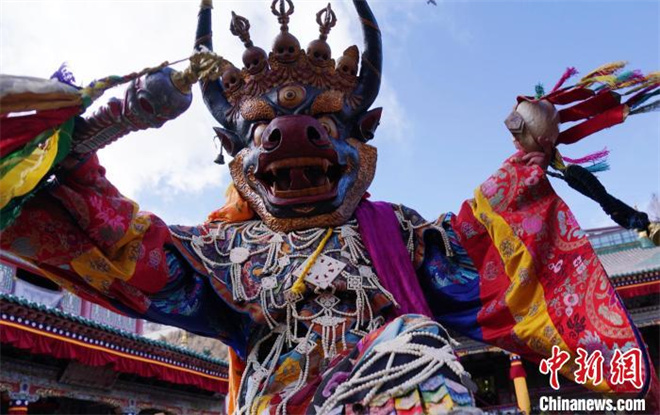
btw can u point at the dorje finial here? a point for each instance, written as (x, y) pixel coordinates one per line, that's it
(326, 20)
(282, 13)
(318, 50)
(286, 48)
(240, 26)
(254, 58)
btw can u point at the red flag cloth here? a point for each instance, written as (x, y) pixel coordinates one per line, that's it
(601, 121)
(590, 107)
(541, 283)
(567, 96)
(19, 131)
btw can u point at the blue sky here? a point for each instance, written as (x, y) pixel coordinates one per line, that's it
(459, 68)
(451, 76)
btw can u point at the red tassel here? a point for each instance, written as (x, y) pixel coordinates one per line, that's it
(567, 74)
(596, 157)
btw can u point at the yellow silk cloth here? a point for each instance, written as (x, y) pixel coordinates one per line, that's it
(24, 176)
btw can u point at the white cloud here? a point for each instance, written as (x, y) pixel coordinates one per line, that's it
(110, 37)
(394, 121)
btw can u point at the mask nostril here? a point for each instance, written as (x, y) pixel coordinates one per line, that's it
(273, 140)
(313, 134)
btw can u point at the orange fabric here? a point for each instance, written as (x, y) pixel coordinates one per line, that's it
(236, 368)
(236, 209)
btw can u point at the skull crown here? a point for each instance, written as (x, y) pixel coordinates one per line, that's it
(286, 52)
(353, 79)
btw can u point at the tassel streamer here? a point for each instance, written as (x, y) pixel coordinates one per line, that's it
(643, 95)
(569, 95)
(655, 106)
(590, 107)
(606, 119)
(607, 81)
(596, 157)
(568, 73)
(624, 80)
(598, 167)
(539, 90)
(644, 98)
(630, 78)
(607, 69)
(649, 80)
(64, 75)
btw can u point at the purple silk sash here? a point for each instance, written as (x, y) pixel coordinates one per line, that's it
(381, 234)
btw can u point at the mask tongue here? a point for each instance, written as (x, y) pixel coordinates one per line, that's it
(298, 179)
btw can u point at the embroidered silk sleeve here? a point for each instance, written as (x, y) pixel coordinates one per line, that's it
(93, 241)
(523, 277)
(188, 300)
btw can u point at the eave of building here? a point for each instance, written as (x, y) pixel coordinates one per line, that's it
(130, 338)
(38, 320)
(31, 379)
(632, 262)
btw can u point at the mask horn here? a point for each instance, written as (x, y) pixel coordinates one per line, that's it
(212, 91)
(372, 58)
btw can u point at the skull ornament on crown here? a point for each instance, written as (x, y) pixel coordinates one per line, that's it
(296, 125)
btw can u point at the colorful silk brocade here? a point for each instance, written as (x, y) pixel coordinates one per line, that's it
(541, 283)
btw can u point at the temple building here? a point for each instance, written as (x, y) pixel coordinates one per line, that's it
(64, 355)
